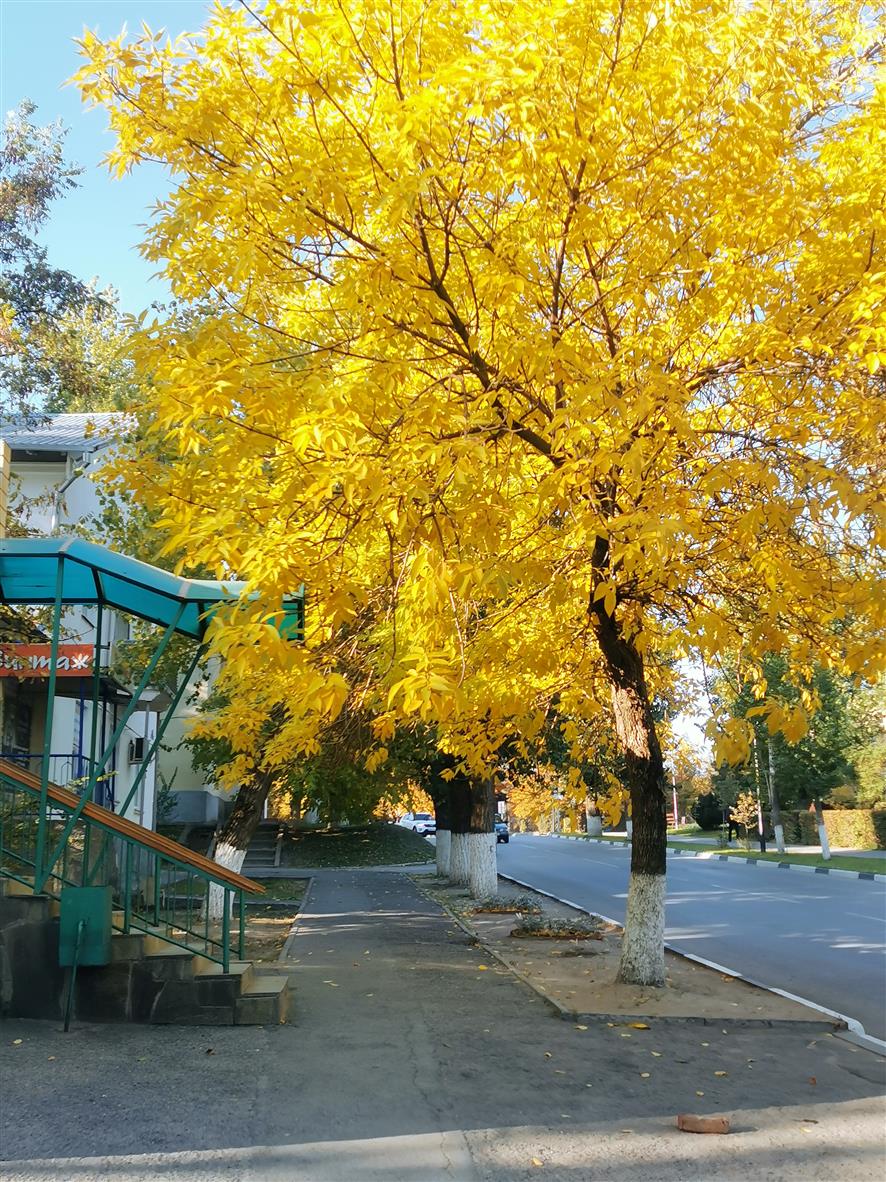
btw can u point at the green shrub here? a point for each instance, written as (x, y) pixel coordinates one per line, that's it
(808, 828)
(863, 829)
(791, 825)
(707, 812)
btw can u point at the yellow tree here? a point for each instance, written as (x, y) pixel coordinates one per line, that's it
(547, 338)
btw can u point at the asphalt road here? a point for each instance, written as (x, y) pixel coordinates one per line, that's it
(820, 936)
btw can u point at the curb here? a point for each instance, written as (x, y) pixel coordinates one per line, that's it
(866, 875)
(809, 1025)
(841, 1021)
(285, 872)
(290, 938)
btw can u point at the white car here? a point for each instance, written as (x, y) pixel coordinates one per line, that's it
(419, 823)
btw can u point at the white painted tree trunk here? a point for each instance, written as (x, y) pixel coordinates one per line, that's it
(595, 825)
(483, 870)
(779, 838)
(822, 835)
(459, 867)
(232, 859)
(642, 948)
(444, 842)
(629, 827)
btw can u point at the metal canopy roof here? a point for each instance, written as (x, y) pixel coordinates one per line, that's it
(93, 575)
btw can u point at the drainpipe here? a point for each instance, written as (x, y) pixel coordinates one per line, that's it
(73, 474)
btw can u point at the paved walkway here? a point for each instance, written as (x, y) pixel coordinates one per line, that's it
(413, 1059)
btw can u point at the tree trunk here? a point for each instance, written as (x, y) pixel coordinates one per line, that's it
(822, 832)
(774, 807)
(460, 816)
(642, 953)
(442, 810)
(483, 872)
(593, 820)
(237, 832)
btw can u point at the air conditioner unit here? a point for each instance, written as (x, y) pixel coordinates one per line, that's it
(136, 750)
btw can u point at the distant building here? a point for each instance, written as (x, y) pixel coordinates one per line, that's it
(50, 467)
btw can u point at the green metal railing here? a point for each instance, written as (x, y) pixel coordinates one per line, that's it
(153, 892)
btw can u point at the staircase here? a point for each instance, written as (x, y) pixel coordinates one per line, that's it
(169, 962)
(262, 852)
(146, 980)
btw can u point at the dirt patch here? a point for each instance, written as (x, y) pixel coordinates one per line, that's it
(266, 931)
(579, 975)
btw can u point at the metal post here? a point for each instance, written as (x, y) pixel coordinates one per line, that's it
(69, 1004)
(127, 886)
(241, 943)
(40, 868)
(156, 890)
(96, 687)
(226, 929)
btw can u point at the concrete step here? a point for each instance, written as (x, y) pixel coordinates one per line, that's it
(158, 943)
(20, 902)
(127, 947)
(215, 987)
(266, 1003)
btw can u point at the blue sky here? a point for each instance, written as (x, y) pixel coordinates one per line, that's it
(95, 230)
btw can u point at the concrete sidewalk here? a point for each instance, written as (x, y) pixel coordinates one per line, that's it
(413, 1059)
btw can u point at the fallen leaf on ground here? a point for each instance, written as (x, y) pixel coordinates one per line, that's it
(645, 1074)
(581, 1028)
(699, 1093)
(51, 1059)
(558, 1071)
(720, 1074)
(705, 1044)
(639, 1025)
(16, 1042)
(332, 983)
(536, 1161)
(813, 1080)
(656, 1053)
(548, 1055)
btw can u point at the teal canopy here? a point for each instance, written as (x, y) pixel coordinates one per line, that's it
(93, 575)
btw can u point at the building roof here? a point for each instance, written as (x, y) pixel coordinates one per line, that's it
(31, 569)
(70, 433)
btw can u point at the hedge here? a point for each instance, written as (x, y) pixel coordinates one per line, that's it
(863, 829)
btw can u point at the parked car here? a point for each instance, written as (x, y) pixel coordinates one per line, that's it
(419, 823)
(502, 833)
